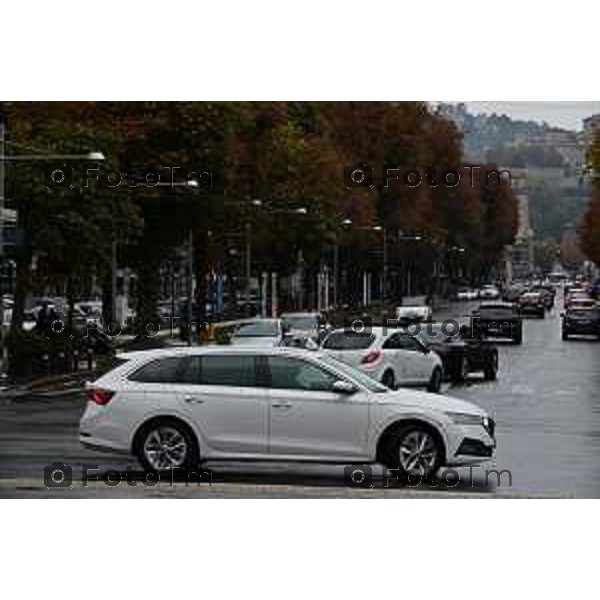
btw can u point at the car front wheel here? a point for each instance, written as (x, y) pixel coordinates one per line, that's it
(414, 449)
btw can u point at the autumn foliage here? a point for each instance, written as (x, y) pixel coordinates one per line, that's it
(287, 154)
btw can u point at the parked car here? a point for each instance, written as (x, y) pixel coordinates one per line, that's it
(311, 324)
(461, 353)
(414, 308)
(498, 320)
(175, 408)
(532, 303)
(389, 355)
(489, 292)
(299, 339)
(580, 321)
(261, 332)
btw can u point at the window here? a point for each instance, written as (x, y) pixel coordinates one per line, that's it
(371, 384)
(173, 369)
(392, 343)
(294, 374)
(264, 328)
(408, 342)
(348, 340)
(228, 370)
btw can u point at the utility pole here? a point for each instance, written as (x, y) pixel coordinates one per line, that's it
(248, 257)
(190, 312)
(113, 282)
(336, 268)
(385, 267)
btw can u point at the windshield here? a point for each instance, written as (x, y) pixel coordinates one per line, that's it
(302, 323)
(258, 329)
(358, 376)
(348, 340)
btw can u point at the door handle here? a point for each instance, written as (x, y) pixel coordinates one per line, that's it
(282, 405)
(193, 399)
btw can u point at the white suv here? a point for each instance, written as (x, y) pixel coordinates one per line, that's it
(387, 354)
(176, 408)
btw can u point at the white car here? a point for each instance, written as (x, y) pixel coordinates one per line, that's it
(489, 292)
(179, 407)
(389, 355)
(467, 294)
(414, 308)
(261, 332)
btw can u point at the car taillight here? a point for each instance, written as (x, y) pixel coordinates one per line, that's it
(371, 357)
(100, 397)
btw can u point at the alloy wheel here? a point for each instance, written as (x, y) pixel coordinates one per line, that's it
(165, 448)
(418, 452)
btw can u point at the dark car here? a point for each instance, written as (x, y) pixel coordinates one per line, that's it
(581, 321)
(461, 353)
(532, 303)
(497, 320)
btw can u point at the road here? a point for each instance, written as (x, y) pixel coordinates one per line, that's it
(545, 403)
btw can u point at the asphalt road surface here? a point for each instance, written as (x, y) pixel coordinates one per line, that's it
(545, 402)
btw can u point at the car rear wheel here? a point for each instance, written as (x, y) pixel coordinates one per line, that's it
(389, 380)
(435, 383)
(565, 336)
(165, 445)
(414, 449)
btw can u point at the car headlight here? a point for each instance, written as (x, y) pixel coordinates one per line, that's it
(468, 419)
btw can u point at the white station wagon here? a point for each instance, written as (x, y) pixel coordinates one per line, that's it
(176, 408)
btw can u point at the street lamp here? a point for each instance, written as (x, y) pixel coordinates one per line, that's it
(190, 183)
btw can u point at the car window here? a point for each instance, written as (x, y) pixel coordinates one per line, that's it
(234, 370)
(308, 322)
(258, 329)
(408, 342)
(392, 343)
(296, 374)
(371, 384)
(172, 369)
(348, 340)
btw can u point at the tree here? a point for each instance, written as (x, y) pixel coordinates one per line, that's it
(590, 225)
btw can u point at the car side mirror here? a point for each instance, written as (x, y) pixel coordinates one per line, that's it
(343, 387)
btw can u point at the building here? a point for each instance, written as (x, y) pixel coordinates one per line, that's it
(590, 126)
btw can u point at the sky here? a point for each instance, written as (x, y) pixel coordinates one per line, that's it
(568, 115)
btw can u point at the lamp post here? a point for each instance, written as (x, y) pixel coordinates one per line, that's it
(336, 259)
(4, 158)
(385, 261)
(190, 183)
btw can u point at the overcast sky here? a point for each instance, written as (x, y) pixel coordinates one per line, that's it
(568, 115)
